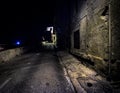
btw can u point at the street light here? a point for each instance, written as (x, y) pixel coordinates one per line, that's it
(50, 29)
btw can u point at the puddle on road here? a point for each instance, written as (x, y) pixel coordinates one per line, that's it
(89, 84)
(47, 84)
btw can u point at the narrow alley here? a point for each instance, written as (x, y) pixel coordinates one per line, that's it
(50, 72)
(60, 46)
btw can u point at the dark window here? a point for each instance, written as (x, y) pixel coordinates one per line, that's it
(105, 11)
(77, 39)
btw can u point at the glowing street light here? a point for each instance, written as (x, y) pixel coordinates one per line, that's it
(50, 29)
(18, 43)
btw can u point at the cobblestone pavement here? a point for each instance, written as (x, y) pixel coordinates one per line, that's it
(84, 79)
(34, 73)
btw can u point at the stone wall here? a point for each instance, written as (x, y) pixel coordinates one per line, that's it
(92, 21)
(9, 54)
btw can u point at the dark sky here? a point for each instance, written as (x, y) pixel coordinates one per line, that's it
(25, 20)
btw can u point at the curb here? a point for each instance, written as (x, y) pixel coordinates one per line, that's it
(75, 86)
(81, 76)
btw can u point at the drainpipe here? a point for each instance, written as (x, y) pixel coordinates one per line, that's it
(110, 42)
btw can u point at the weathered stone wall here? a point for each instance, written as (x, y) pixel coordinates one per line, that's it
(9, 54)
(94, 32)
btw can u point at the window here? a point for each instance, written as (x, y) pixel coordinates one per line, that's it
(77, 39)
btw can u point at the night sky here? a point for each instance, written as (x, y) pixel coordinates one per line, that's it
(25, 21)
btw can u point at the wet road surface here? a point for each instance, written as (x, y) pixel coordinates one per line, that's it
(34, 73)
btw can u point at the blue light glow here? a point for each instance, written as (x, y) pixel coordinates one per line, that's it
(18, 43)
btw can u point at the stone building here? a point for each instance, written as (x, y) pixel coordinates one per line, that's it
(93, 33)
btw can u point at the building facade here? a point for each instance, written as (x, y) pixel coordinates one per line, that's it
(93, 32)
